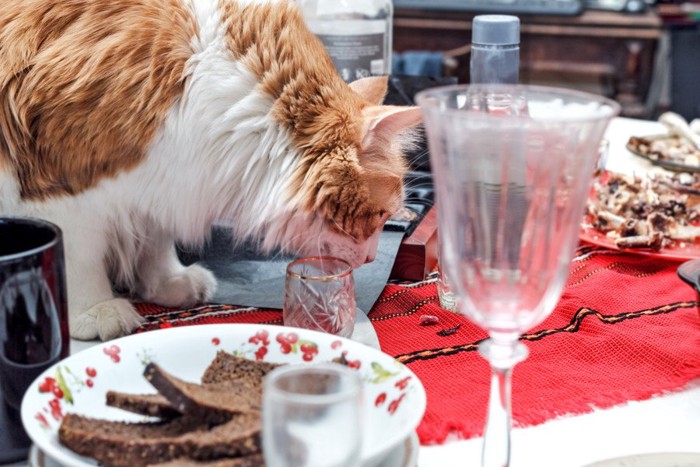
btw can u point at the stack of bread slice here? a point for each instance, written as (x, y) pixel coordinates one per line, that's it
(215, 422)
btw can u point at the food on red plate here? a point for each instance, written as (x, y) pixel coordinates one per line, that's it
(653, 212)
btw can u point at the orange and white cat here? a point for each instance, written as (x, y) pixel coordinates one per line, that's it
(133, 124)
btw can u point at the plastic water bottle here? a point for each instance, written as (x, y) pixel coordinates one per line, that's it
(495, 59)
(356, 34)
(495, 54)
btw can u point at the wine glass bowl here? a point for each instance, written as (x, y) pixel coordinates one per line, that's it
(512, 166)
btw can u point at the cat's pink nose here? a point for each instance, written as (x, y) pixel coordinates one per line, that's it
(370, 258)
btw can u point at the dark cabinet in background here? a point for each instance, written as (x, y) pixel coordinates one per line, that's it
(685, 71)
(684, 31)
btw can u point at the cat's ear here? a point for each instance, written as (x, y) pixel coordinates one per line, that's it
(372, 89)
(387, 121)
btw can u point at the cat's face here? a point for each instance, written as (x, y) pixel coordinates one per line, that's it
(349, 178)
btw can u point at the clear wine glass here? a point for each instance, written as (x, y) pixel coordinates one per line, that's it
(512, 166)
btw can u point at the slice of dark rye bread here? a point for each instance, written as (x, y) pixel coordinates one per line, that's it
(138, 444)
(215, 403)
(153, 405)
(229, 367)
(225, 368)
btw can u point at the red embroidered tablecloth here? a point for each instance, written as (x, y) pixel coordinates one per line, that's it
(626, 328)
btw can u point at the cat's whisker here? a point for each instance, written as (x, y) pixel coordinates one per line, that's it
(414, 200)
(416, 157)
(292, 245)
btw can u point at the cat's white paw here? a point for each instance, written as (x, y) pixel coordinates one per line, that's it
(107, 320)
(194, 284)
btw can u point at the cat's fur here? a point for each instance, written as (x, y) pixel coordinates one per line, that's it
(133, 124)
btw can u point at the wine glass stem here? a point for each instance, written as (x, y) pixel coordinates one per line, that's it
(502, 357)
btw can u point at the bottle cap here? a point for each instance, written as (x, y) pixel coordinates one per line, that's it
(496, 30)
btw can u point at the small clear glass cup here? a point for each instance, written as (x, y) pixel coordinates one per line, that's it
(446, 296)
(320, 295)
(312, 416)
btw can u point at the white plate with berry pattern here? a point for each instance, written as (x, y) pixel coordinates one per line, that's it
(394, 398)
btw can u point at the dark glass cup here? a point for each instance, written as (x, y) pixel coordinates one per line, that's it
(33, 318)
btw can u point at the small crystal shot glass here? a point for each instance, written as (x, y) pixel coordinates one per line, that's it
(320, 295)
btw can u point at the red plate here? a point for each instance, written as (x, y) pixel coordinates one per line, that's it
(678, 253)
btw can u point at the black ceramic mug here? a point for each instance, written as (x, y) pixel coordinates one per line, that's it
(33, 318)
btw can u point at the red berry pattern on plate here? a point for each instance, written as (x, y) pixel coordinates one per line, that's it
(290, 344)
(43, 422)
(113, 352)
(56, 411)
(394, 405)
(381, 398)
(56, 386)
(260, 337)
(91, 372)
(60, 388)
(261, 352)
(381, 375)
(309, 350)
(402, 383)
(287, 342)
(47, 385)
(216, 341)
